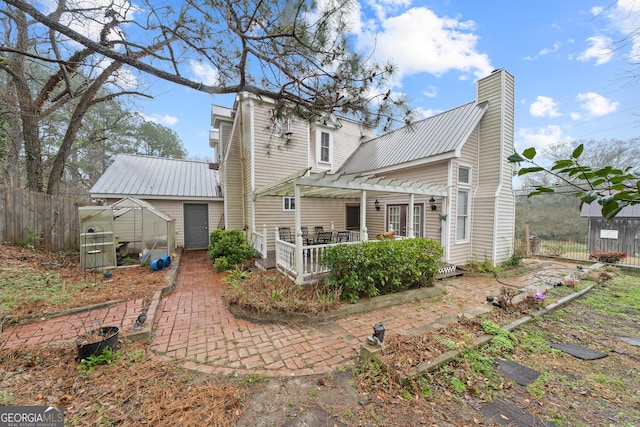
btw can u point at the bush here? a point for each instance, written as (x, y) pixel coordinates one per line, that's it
(607, 256)
(382, 267)
(228, 248)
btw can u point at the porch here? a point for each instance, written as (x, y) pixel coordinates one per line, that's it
(300, 258)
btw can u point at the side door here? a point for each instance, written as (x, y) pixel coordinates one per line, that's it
(196, 225)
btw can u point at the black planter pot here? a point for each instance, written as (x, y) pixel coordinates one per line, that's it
(110, 339)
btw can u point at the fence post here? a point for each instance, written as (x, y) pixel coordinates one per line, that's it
(266, 240)
(526, 240)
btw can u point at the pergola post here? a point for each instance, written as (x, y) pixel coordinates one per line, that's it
(363, 216)
(298, 236)
(410, 232)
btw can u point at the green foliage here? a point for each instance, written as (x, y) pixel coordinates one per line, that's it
(382, 267)
(607, 256)
(107, 357)
(613, 188)
(228, 248)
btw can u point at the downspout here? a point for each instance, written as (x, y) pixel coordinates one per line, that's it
(242, 159)
(252, 151)
(475, 189)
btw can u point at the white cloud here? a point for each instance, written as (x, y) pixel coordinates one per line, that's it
(556, 47)
(431, 91)
(544, 107)
(204, 72)
(420, 41)
(165, 120)
(624, 18)
(540, 139)
(423, 113)
(575, 116)
(600, 50)
(597, 105)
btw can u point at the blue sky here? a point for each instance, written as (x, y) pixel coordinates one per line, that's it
(571, 72)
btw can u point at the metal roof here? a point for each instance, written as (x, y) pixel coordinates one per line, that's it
(595, 210)
(157, 177)
(341, 185)
(440, 135)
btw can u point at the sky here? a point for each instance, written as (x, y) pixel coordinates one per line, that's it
(571, 67)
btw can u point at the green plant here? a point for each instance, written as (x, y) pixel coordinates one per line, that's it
(221, 264)
(253, 379)
(231, 245)
(137, 355)
(108, 356)
(382, 267)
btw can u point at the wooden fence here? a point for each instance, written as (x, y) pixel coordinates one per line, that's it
(39, 219)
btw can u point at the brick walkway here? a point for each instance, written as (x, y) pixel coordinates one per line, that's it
(193, 323)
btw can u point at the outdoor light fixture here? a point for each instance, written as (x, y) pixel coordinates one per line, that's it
(432, 202)
(377, 205)
(378, 332)
(288, 135)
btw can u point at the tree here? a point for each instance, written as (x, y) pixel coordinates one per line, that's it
(294, 52)
(153, 139)
(610, 186)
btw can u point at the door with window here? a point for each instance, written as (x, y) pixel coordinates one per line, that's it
(398, 219)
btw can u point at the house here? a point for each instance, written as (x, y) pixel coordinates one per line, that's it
(619, 234)
(446, 177)
(450, 171)
(185, 190)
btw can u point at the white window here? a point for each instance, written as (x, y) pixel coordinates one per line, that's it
(324, 146)
(288, 204)
(462, 216)
(464, 175)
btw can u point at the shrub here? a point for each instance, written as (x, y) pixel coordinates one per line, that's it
(607, 256)
(382, 267)
(231, 245)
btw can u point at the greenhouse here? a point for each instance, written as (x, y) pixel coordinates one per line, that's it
(130, 230)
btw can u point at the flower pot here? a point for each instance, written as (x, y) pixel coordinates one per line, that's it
(96, 341)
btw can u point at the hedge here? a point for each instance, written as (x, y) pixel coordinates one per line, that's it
(380, 267)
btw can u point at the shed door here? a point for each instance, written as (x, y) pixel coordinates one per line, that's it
(196, 225)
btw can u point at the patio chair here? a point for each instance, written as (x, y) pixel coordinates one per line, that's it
(285, 234)
(344, 236)
(318, 229)
(323, 237)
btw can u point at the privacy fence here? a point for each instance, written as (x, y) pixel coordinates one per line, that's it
(39, 219)
(589, 249)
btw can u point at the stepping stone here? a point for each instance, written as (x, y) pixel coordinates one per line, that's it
(314, 417)
(631, 340)
(578, 351)
(518, 373)
(507, 414)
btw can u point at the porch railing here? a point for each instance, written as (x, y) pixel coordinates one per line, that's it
(259, 242)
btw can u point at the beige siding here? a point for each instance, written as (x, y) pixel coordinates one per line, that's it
(433, 173)
(232, 182)
(346, 139)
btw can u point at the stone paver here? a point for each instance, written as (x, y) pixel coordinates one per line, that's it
(192, 323)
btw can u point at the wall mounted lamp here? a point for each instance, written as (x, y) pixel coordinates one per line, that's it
(432, 203)
(377, 205)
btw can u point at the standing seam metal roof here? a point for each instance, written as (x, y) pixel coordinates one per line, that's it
(439, 134)
(157, 176)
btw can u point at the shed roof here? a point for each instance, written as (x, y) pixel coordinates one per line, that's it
(123, 206)
(437, 137)
(157, 177)
(595, 210)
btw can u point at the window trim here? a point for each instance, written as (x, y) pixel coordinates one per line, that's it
(287, 202)
(319, 160)
(466, 237)
(468, 168)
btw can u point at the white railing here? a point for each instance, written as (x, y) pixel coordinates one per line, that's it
(285, 258)
(259, 242)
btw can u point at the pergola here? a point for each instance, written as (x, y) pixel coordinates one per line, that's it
(340, 185)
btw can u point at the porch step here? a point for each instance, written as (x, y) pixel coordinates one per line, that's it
(449, 270)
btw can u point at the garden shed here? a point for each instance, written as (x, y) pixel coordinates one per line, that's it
(128, 228)
(620, 234)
